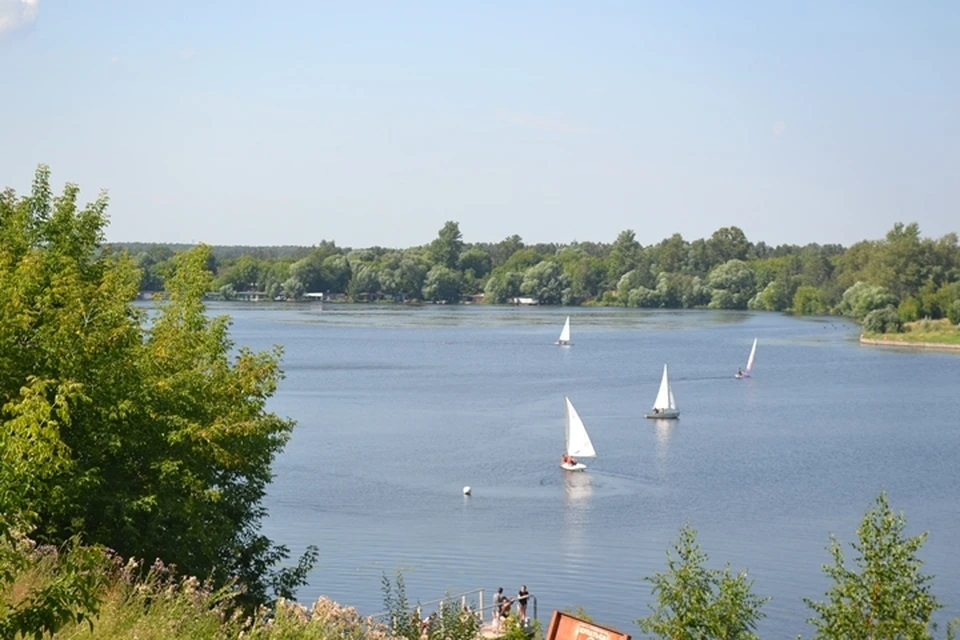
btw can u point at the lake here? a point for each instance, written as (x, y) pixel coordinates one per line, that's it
(398, 408)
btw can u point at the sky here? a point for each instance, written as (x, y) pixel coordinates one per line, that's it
(369, 123)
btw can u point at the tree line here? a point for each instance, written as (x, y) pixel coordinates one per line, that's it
(903, 277)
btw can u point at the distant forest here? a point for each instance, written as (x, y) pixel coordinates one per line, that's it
(902, 277)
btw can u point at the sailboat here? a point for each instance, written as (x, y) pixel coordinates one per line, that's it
(578, 442)
(564, 339)
(664, 406)
(745, 373)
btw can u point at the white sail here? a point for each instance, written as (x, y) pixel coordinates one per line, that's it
(578, 442)
(565, 332)
(665, 398)
(753, 353)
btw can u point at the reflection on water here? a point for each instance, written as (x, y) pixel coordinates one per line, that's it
(579, 488)
(576, 516)
(663, 429)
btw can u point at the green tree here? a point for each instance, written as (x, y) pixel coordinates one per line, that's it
(697, 603)
(502, 286)
(696, 293)
(546, 282)
(909, 309)
(244, 275)
(521, 260)
(634, 279)
(862, 298)
(815, 266)
(293, 289)
(885, 595)
(732, 285)
(643, 297)
(806, 301)
(776, 296)
(476, 260)
(274, 274)
(501, 251)
(900, 261)
(310, 269)
(624, 255)
(336, 273)
(698, 258)
(726, 244)
(446, 248)
(671, 253)
(32, 453)
(442, 284)
(166, 442)
(403, 274)
(586, 275)
(365, 281)
(155, 265)
(954, 312)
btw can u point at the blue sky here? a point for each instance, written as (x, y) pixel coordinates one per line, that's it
(371, 123)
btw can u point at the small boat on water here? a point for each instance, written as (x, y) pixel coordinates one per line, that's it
(577, 440)
(745, 373)
(665, 406)
(564, 339)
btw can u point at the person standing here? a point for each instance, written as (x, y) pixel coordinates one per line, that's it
(498, 600)
(522, 596)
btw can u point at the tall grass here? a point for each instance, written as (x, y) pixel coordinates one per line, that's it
(157, 604)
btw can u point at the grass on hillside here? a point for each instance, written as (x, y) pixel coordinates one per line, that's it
(934, 331)
(163, 606)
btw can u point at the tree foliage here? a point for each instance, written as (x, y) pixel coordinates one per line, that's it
(885, 320)
(697, 603)
(442, 284)
(862, 298)
(920, 277)
(546, 283)
(885, 594)
(150, 438)
(445, 249)
(503, 286)
(732, 285)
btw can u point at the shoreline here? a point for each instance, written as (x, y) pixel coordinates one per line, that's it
(909, 345)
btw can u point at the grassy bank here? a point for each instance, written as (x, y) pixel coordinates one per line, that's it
(935, 332)
(159, 605)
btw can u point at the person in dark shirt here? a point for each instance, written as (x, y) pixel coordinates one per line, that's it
(522, 597)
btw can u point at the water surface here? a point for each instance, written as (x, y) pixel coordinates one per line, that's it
(398, 408)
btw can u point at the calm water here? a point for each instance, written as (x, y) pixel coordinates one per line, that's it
(399, 408)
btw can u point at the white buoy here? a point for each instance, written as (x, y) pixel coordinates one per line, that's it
(466, 490)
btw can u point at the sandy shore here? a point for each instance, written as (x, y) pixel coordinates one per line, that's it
(908, 345)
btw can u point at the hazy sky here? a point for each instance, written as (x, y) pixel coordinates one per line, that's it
(371, 123)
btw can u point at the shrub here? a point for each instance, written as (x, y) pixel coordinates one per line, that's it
(909, 309)
(953, 313)
(885, 320)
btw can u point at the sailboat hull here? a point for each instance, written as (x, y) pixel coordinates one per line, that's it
(566, 466)
(563, 343)
(668, 414)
